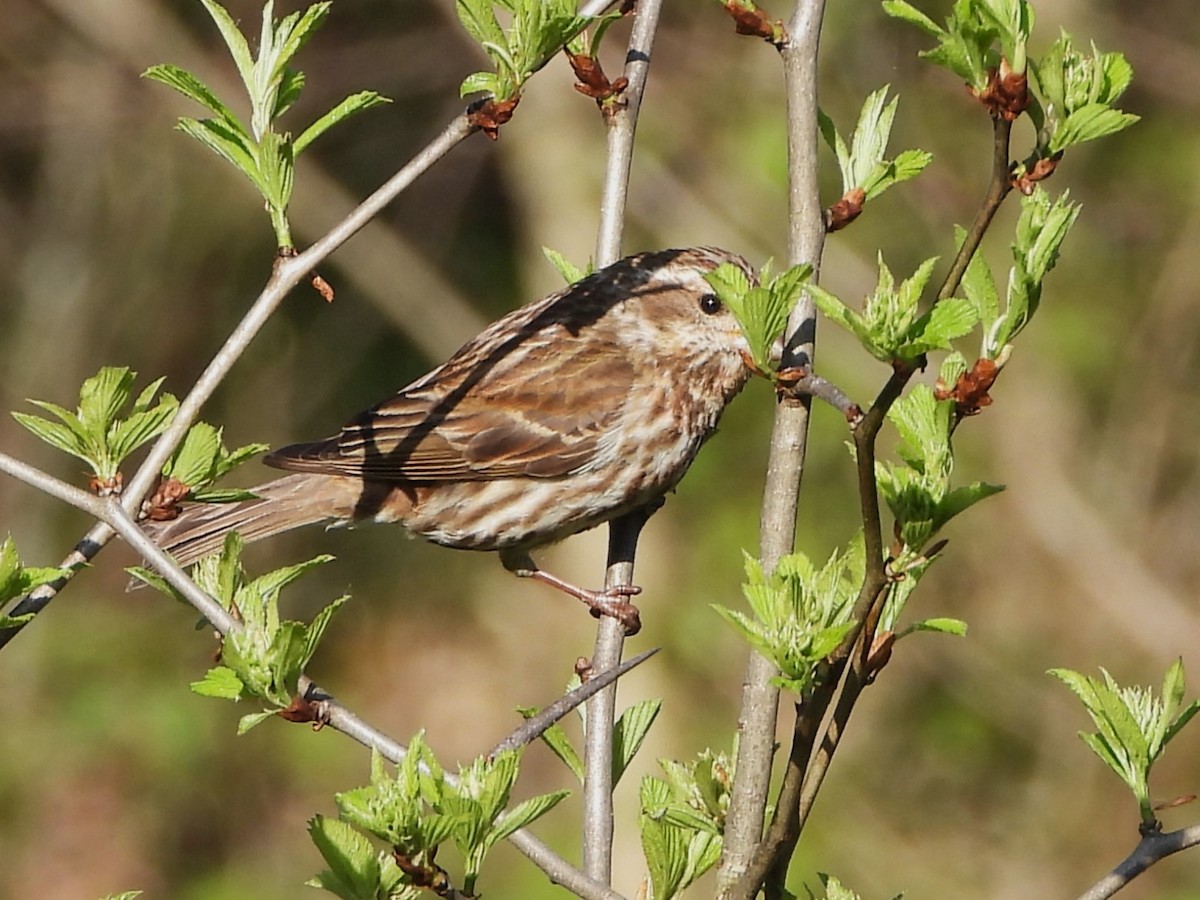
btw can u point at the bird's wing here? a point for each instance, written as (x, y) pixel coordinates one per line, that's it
(536, 406)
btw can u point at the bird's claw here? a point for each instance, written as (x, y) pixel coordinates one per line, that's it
(611, 602)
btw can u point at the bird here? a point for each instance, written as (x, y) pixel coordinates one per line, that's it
(571, 411)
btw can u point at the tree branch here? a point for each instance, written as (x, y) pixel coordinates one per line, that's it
(623, 532)
(1153, 847)
(806, 238)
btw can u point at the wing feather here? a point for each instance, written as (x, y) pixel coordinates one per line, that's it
(539, 411)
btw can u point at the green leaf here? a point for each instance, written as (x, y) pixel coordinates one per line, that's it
(227, 143)
(950, 319)
(570, 272)
(234, 40)
(245, 723)
(556, 739)
(940, 625)
(194, 89)
(353, 862)
(629, 733)
(898, 9)
(761, 311)
(479, 19)
(526, 813)
(17, 579)
(220, 682)
(355, 103)
(1096, 120)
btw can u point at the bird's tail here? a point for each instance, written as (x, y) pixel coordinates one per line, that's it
(278, 506)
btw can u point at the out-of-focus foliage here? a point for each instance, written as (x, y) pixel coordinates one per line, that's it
(129, 245)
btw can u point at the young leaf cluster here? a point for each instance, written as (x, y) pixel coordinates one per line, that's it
(1076, 93)
(357, 870)
(761, 310)
(537, 29)
(101, 431)
(1133, 726)
(261, 153)
(862, 163)
(1041, 229)
(967, 46)
(17, 580)
(800, 612)
(682, 820)
(420, 808)
(889, 327)
(265, 658)
(202, 458)
(917, 490)
(629, 731)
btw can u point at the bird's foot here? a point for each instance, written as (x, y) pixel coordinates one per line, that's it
(610, 602)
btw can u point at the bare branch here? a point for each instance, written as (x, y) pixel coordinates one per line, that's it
(623, 532)
(1153, 847)
(806, 238)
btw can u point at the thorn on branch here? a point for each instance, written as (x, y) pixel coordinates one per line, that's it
(489, 114)
(748, 19)
(592, 82)
(970, 392)
(846, 210)
(1006, 94)
(1027, 176)
(163, 504)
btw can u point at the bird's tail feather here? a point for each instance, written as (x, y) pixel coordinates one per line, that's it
(280, 505)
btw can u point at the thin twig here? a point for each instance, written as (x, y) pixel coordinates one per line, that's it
(1153, 847)
(623, 532)
(806, 238)
(535, 726)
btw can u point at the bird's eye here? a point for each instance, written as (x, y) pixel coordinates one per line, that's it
(709, 304)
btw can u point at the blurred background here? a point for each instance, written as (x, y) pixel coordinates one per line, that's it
(125, 243)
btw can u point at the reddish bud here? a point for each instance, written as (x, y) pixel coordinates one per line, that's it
(106, 487)
(163, 504)
(301, 709)
(846, 210)
(970, 392)
(488, 115)
(1041, 170)
(752, 21)
(1006, 94)
(592, 82)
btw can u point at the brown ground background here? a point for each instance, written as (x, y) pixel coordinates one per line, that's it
(124, 243)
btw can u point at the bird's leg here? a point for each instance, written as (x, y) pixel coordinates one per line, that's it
(609, 602)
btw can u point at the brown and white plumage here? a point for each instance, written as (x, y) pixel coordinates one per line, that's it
(563, 414)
